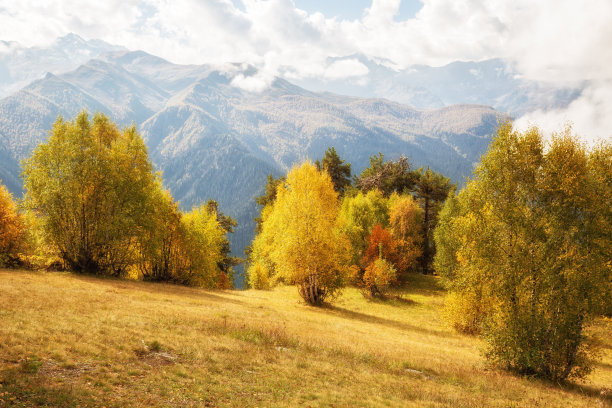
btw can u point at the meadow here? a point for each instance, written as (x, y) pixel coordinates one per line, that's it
(81, 341)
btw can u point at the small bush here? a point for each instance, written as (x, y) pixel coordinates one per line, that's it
(378, 277)
(258, 276)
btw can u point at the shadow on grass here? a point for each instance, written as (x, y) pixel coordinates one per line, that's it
(185, 292)
(20, 388)
(366, 318)
(394, 300)
(604, 395)
(419, 284)
(601, 364)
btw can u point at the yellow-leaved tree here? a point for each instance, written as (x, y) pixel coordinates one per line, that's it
(203, 238)
(92, 190)
(299, 242)
(89, 185)
(525, 250)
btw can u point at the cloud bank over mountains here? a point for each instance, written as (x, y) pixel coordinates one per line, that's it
(561, 41)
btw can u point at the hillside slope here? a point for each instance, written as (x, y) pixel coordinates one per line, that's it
(68, 340)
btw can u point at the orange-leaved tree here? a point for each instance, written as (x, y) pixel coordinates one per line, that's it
(378, 260)
(12, 230)
(380, 245)
(406, 225)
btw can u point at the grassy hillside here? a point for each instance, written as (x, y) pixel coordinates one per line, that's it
(68, 340)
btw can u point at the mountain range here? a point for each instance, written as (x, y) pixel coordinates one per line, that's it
(495, 82)
(212, 139)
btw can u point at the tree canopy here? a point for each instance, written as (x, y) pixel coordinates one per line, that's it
(93, 191)
(525, 250)
(90, 184)
(338, 170)
(299, 243)
(387, 176)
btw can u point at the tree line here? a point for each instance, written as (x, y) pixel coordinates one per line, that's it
(93, 204)
(322, 230)
(525, 249)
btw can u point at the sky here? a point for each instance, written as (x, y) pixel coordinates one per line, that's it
(561, 41)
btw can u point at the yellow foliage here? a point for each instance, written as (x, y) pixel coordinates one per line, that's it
(299, 238)
(202, 237)
(259, 277)
(523, 249)
(90, 185)
(358, 215)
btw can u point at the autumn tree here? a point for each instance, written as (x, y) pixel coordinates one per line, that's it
(428, 187)
(406, 226)
(378, 262)
(94, 194)
(377, 278)
(90, 184)
(387, 176)
(525, 250)
(162, 248)
(203, 238)
(359, 213)
(298, 241)
(187, 248)
(12, 230)
(468, 301)
(228, 262)
(380, 244)
(338, 170)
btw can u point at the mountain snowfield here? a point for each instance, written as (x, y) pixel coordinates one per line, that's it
(212, 139)
(21, 65)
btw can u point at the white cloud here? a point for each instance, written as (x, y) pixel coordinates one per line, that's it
(549, 39)
(589, 115)
(253, 83)
(345, 69)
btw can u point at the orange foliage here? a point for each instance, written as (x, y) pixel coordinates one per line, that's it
(12, 229)
(223, 281)
(378, 276)
(380, 245)
(406, 225)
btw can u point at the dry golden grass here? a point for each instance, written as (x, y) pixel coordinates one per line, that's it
(67, 340)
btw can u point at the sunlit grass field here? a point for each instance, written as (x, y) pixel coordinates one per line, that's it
(68, 340)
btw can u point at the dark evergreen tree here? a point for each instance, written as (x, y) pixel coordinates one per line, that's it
(268, 197)
(431, 189)
(387, 176)
(338, 170)
(227, 223)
